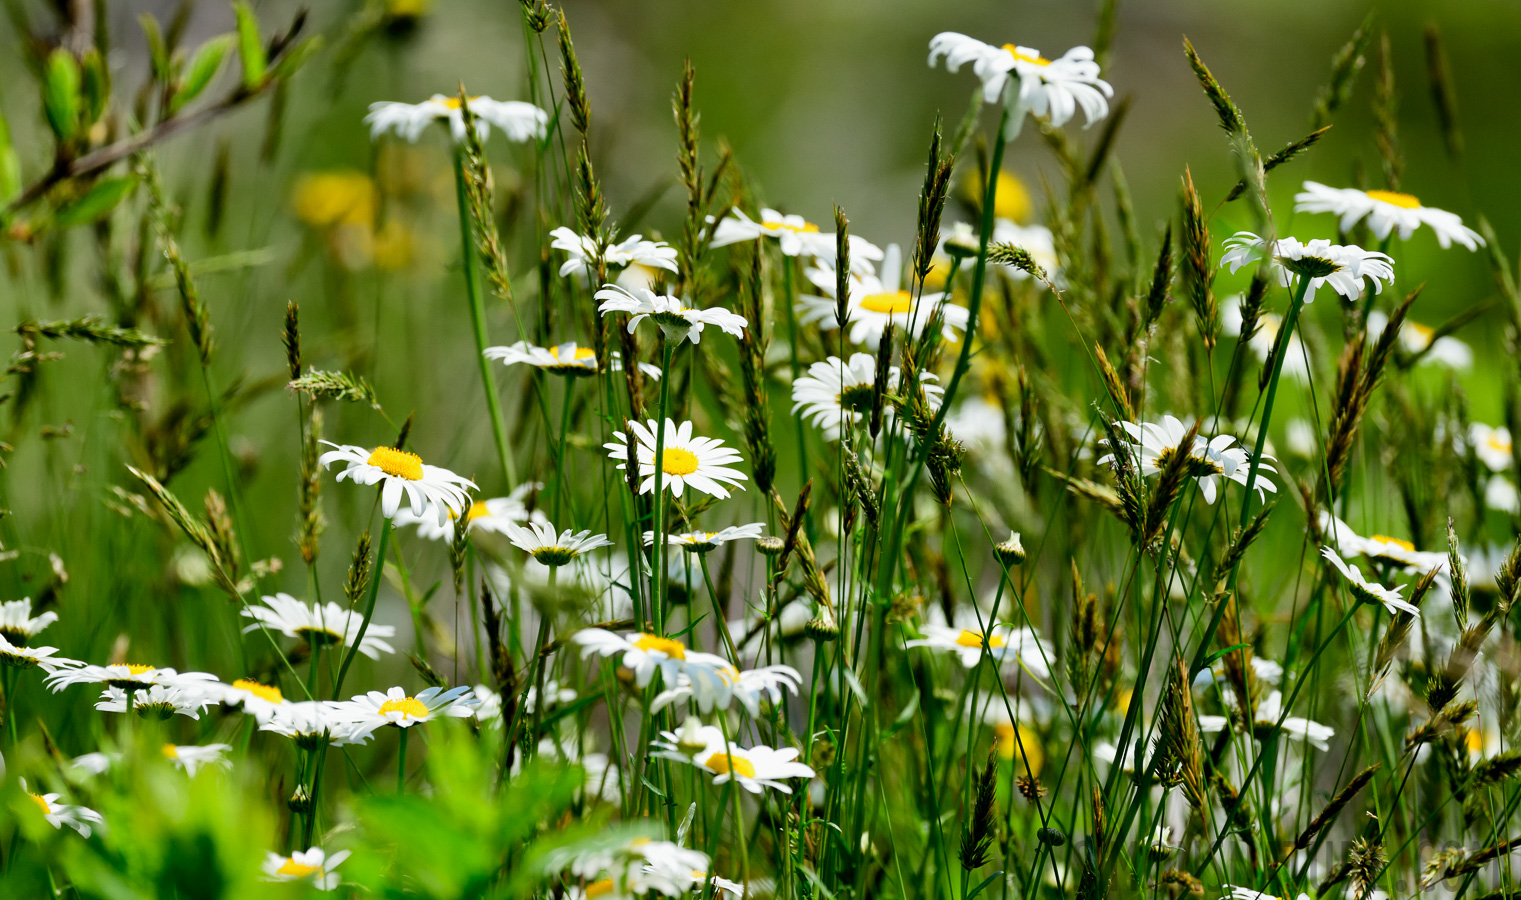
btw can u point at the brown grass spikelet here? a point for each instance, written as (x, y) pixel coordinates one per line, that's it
(1198, 274)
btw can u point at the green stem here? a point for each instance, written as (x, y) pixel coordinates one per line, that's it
(657, 577)
(401, 763)
(369, 608)
(1279, 352)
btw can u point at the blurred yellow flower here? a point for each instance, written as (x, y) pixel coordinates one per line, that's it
(1025, 750)
(342, 197)
(1013, 201)
(394, 246)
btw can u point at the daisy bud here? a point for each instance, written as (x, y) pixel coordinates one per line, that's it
(1010, 552)
(963, 242)
(770, 545)
(1051, 837)
(300, 802)
(689, 739)
(823, 627)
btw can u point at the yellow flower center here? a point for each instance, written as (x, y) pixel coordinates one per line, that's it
(580, 354)
(1496, 441)
(322, 199)
(397, 463)
(598, 888)
(262, 691)
(672, 648)
(974, 639)
(1003, 733)
(720, 763)
(477, 509)
(41, 804)
(453, 102)
(805, 228)
(407, 706)
(138, 668)
(1035, 58)
(677, 461)
(296, 870)
(1474, 740)
(892, 303)
(171, 751)
(1394, 198)
(1385, 539)
(1424, 332)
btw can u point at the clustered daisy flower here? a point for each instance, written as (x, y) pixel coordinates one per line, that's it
(676, 320)
(517, 120)
(686, 459)
(1045, 88)
(633, 250)
(1345, 267)
(320, 625)
(753, 769)
(1386, 212)
(837, 394)
(402, 475)
(1153, 445)
(706, 541)
(539, 540)
(876, 301)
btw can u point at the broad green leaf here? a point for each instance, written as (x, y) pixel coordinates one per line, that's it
(97, 201)
(158, 51)
(61, 94)
(249, 47)
(10, 166)
(203, 67)
(96, 90)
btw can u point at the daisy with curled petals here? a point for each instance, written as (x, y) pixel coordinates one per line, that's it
(60, 814)
(748, 687)
(1154, 445)
(562, 359)
(1343, 266)
(192, 758)
(1386, 211)
(676, 320)
(1380, 548)
(159, 701)
(1369, 591)
(634, 250)
(795, 236)
(1044, 87)
(491, 515)
(312, 865)
(318, 625)
(519, 121)
(702, 463)
(1267, 719)
(538, 539)
(18, 625)
(397, 707)
(708, 541)
(310, 723)
(835, 393)
(258, 700)
(643, 654)
(1003, 642)
(399, 474)
(754, 769)
(128, 677)
(32, 657)
(876, 301)
(1421, 340)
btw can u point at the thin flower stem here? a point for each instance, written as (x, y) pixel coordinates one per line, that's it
(401, 762)
(657, 577)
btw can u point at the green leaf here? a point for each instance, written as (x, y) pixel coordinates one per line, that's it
(295, 57)
(60, 96)
(96, 92)
(986, 882)
(203, 67)
(249, 47)
(97, 201)
(10, 165)
(1220, 654)
(158, 51)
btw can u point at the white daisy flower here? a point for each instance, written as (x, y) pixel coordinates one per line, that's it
(22, 657)
(312, 865)
(1312, 733)
(17, 623)
(1043, 87)
(754, 769)
(836, 393)
(675, 318)
(1369, 591)
(491, 515)
(1264, 669)
(748, 687)
(705, 541)
(1492, 445)
(1500, 494)
(258, 700)
(623, 868)
(1353, 264)
(89, 765)
(642, 653)
(1385, 211)
(1417, 338)
(1380, 548)
(158, 701)
(538, 539)
(1154, 444)
(1241, 893)
(1005, 643)
(875, 301)
(685, 460)
(133, 677)
(1265, 337)
(631, 251)
(562, 359)
(519, 121)
(192, 758)
(58, 814)
(397, 707)
(319, 626)
(795, 236)
(310, 722)
(401, 473)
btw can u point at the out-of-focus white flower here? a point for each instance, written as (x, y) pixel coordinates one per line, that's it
(1003, 642)
(519, 121)
(1417, 338)
(1264, 336)
(633, 250)
(23, 657)
(1043, 87)
(561, 359)
(748, 687)
(312, 865)
(18, 625)
(258, 700)
(128, 677)
(1312, 733)
(192, 758)
(158, 701)
(1352, 264)
(1369, 591)
(1492, 445)
(795, 236)
(311, 722)
(58, 814)
(1386, 211)
(1299, 435)
(397, 707)
(1037, 240)
(319, 625)
(876, 301)
(401, 473)
(491, 515)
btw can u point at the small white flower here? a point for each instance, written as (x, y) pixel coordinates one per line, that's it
(397, 707)
(1417, 338)
(754, 769)
(1153, 445)
(1004, 643)
(517, 120)
(1241, 893)
(320, 626)
(835, 393)
(642, 653)
(1265, 337)
(1380, 548)
(561, 359)
(22, 657)
(92, 764)
(191, 758)
(685, 459)
(633, 250)
(310, 722)
(538, 539)
(1369, 591)
(159, 701)
(795, 236)
(306, 865)
(1043, 87)
(1312, 733)
(876, 301)
(1491, 445)
(675, 318)
(133, 677)
(58, 814)
(748, 687)
(491, 515)
(17, 623)
(1353, 264)
(704, 541)
(401, 473)
(1386, 211)
(623, 868)
(258, 700)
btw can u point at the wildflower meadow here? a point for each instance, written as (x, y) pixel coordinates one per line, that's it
(415, 483)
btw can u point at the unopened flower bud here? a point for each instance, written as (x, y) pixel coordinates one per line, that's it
(1010, 552)
(771, 545)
